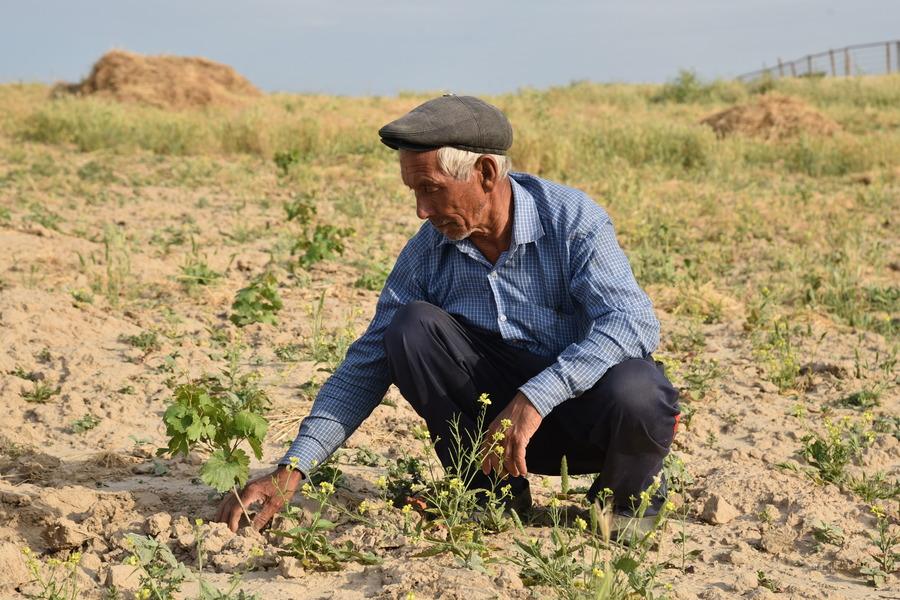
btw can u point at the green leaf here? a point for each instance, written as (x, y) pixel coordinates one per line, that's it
(626, 564)
(250, 425)
(224, 472)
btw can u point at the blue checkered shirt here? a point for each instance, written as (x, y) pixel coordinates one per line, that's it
(564, 288)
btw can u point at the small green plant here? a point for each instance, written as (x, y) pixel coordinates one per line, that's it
(325, 347)
(259, 302)
(85, 423)
(581, 560)
(843, 442)
(826, 533)
(775, 348)
(146, 341)
(195, 271)
(40, 392)
(766, 581)
(83, 296)
(301, 209)
(373, 278)
(219, 414)
(288, 352)
(459, 514)
(57, 579)
(324, 243)
(285, 159)
(886, 542)
(307, 539)
(875, 487)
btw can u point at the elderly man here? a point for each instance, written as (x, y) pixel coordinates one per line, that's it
(516, 287)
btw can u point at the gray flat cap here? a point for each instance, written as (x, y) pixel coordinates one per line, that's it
(463, 122)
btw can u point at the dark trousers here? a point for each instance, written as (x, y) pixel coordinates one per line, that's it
(621, 428)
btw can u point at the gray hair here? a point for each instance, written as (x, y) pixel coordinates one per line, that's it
(459, 163)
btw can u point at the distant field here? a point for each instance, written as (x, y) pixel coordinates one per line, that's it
(127, 232)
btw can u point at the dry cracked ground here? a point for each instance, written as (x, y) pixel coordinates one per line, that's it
(100, 318)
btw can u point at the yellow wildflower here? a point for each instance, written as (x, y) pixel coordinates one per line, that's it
(505, 424)
(484, 400)
(580, 523)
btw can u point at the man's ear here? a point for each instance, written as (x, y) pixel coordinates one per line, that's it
(487, 167)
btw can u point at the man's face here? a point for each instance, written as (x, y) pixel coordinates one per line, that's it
(455, 208)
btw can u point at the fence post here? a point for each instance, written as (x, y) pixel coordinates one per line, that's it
(831, 58)
(887, 56)
(847, 62)
(781, 66)
(809, 65)
(793, 68)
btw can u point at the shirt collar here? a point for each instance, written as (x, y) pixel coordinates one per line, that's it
(526, 220)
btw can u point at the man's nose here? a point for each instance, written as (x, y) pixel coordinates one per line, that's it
(422, 209)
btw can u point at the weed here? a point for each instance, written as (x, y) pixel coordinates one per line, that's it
(826, 533)
(301, 209)
(288, 352)
(775, 348)
(886, 542)
(57, 579)
(83, 296)
(306, 537)
(581, 561)
(44, 216)
(118, 264)
(843, 442)
(325, 242)
(285, 159)
(766, 581)
(373, 278)
(96, 171)
(259, 302)
(195, 271)
(863, 399)
(874, 487)
(326, 348)
(40, 392)
(85, 423)
(146, 341)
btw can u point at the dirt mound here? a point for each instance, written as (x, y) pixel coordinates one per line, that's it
(771, 116)
(164, 81)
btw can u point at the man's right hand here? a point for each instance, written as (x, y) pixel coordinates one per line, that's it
(273, 490)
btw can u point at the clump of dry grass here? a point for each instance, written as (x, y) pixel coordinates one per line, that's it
(771, 117)
(163, 81)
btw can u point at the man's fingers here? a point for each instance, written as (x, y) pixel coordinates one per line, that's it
(267, 512)
(250, 495)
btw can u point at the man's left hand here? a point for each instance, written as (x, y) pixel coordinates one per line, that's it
(523, 421)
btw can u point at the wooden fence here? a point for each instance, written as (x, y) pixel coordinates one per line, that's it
(862, 59)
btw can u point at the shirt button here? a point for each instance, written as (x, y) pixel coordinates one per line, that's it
(503, 318)
(493, 274)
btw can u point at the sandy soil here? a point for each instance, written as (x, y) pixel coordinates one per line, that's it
(61, 490)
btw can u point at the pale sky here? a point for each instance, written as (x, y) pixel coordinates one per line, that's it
(362, 47)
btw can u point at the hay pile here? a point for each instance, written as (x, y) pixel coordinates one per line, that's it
(164, 81)
(772, 117)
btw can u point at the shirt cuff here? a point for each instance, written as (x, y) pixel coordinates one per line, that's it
(305, 454)
(546, 391)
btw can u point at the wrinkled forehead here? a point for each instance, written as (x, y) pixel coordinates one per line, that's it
(415, 166)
